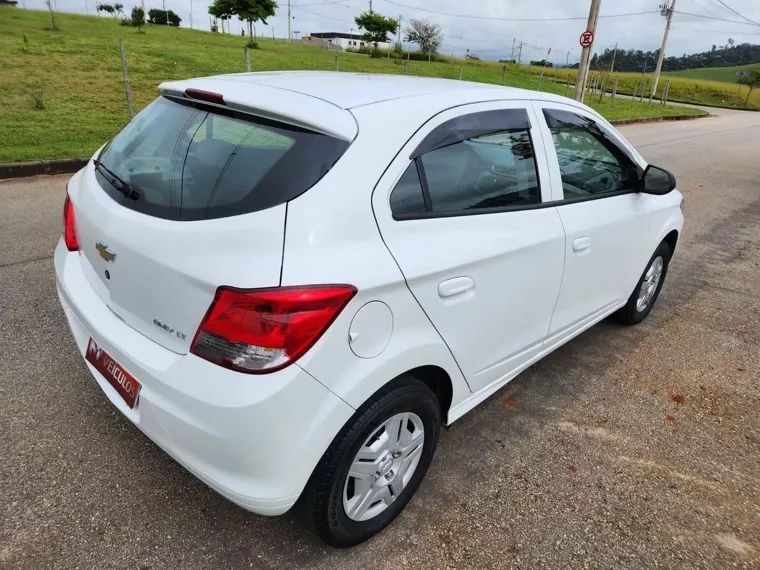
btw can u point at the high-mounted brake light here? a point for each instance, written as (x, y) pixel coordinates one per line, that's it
(69, 226)
(263, 330)
(208, 96)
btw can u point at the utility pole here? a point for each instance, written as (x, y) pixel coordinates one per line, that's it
(580, 82)
(567, 60)
(370, 6)
(289, 18)
(669, 12)
(166, 12)
(513, 48)
(614, 55)
(519, 56)
(398, 35)
(191, 14)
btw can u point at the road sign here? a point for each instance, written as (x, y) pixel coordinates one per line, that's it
(587, 38)
(742, 74)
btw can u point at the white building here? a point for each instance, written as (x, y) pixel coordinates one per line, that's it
(345, 41)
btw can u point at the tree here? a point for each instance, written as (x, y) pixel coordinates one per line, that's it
(247, 10)
(425, 34)
(376, 27)
(138, 18)
(752, 80)
(114, 9)
(156, 16)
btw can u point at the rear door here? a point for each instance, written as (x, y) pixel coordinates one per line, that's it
(607, 220)
(186, 198)
(462, 211)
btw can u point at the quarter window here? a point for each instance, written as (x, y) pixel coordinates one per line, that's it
(590, 163)
(407, 197)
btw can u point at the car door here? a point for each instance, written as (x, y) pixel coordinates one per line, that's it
(462, 210)
(595, 182)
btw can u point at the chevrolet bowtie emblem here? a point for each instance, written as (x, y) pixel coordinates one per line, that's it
(104, 252)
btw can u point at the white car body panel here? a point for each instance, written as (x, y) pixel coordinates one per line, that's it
(167, 271)
(256, 439)
(497, 321)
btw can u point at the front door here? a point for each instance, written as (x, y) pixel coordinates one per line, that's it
(460, 210)
(595, 178)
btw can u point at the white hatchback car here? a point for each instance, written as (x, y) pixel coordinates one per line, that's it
(290, 281)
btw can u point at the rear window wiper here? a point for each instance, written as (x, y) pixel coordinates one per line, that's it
(124, 187)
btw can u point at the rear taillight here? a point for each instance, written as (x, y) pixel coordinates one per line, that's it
(69, 226)
(264, 330)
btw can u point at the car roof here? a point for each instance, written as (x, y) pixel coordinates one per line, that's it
(321, 100)
(349, 90)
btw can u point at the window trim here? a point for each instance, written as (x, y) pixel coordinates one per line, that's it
(480, 123)
(430, 214)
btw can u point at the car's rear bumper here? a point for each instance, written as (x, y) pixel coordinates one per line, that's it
(254, 439)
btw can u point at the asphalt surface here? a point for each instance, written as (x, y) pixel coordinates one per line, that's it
(628, 447)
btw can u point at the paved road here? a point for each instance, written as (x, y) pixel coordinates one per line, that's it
(594, 464)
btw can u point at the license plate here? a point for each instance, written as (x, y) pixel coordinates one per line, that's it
(127, 387)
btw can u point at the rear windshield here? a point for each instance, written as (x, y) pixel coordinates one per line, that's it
(188, 161)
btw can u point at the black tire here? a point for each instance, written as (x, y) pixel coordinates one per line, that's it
(630, 314)
(321, 503)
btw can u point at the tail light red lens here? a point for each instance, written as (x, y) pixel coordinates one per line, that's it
(69, 226)
(260, 331)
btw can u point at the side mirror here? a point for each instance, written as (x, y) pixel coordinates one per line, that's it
(657, 180)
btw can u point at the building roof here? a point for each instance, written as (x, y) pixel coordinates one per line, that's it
(345, 36)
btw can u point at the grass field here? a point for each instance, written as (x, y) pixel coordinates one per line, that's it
(79, 70)
(683, 89)
(727, 74)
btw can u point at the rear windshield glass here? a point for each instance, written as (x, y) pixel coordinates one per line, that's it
(188, 161)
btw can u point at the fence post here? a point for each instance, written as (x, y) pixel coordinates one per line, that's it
(247, 60)
(406, 67)
(503, 73)
(540, 77)
(635, 90)
(337, 64)
(614, 91)
(567, 85)
(667, 91)
(604, 87)
(461, 70)
(127, 91)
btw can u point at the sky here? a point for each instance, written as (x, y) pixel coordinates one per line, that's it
(633, 24)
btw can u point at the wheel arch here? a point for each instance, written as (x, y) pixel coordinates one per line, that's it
(672, 240)
(439, 381)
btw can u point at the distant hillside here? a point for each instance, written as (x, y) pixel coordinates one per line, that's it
(716, 73)
(719, 56)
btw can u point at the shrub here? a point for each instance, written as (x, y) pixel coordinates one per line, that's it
(137, 18)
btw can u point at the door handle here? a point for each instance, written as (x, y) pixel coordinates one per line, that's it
(455, 286)
(582, 244)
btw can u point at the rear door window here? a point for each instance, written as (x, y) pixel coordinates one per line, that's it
(188, 161)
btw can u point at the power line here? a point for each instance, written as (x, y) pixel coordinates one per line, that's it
(323, 16)
(515, 19)
(712, 18)
(737, 13)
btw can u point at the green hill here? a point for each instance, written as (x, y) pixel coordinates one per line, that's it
(75, 75)
(727, 74)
